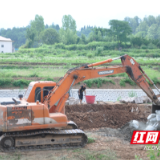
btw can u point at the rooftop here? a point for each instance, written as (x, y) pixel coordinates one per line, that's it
(5, 39)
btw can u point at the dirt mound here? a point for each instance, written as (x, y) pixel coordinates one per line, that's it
(109, 115)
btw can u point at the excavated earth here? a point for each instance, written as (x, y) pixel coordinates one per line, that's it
(111, 115)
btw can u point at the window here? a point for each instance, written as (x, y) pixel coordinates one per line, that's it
(46, 90)
(2, 45)
(28, 92)
(38, 94)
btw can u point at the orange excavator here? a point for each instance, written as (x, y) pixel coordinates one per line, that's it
(38, 121)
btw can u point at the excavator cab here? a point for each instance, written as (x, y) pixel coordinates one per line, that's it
(38, 90)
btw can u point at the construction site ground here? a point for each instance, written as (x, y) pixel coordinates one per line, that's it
(105, 123)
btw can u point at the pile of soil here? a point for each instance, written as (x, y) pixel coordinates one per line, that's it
(90, 116)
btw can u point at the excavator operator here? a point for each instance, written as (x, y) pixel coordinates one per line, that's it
(80, 92)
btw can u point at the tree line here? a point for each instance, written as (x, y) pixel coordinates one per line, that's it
(139, 32)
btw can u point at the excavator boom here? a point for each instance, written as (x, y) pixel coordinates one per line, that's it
(56, 99)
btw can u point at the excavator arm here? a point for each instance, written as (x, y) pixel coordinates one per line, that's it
(135, 72)
(58, 96)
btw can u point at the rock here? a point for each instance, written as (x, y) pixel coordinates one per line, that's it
(137, 100)
(73, 101)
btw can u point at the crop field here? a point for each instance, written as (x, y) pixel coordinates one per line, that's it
(51, 63)
(71, 58)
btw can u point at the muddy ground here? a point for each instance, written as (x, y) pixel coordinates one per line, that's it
(110, 115)
(105, 123)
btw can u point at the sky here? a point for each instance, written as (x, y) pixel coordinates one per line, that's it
(19, 13)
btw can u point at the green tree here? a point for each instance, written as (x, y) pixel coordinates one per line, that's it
(35, 28)
(136, 41)
(30, 38)
(83, 38)
(68, 31)
(150, 20)
(99, 36)
(143, 26)
(38, 26)
(50, 36)
(141, 34)
(152, 31)
(91, 37)
(133, 22)
(158, 20)
(120, 29)
(68, 36)
(68, 23)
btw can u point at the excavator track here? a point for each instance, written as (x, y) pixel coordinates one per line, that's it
(49, 139)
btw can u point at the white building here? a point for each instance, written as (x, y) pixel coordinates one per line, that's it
(5, 45)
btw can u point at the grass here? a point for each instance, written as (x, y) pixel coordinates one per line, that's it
(33, 72)
(126, 80)
(47, 55)
(92, 155)
(132, 94)
(4, 82)
(151, 72)
(153, 154)
(98, 82)
(21, 82)
(7, 76)
(15, 156)
(51, 55)
(155, 80)
(91, 140)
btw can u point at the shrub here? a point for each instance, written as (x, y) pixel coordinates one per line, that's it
(108, 80)
(89, 83)
(81, 46)
(151, 46)
(68, 54)
(49, 79)
(122, 83)
(143, 46)
(5, 82)
(156, 81)
(91, 140)
(99, 50)
(153, 55)
(33, 75)
(126, 80)
(21, 82)
(98, 82)
(59, 45)
(90, 55)
(82, 53)
(71, 47)
(31, 54)
(132, 94)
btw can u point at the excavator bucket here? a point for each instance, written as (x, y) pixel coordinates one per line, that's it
(155, 107)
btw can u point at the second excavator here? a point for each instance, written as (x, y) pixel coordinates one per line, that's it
(38, 121)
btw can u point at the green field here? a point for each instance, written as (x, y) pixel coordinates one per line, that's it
(26, 63)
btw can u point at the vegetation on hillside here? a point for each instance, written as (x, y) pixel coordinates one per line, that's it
(140, 33)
